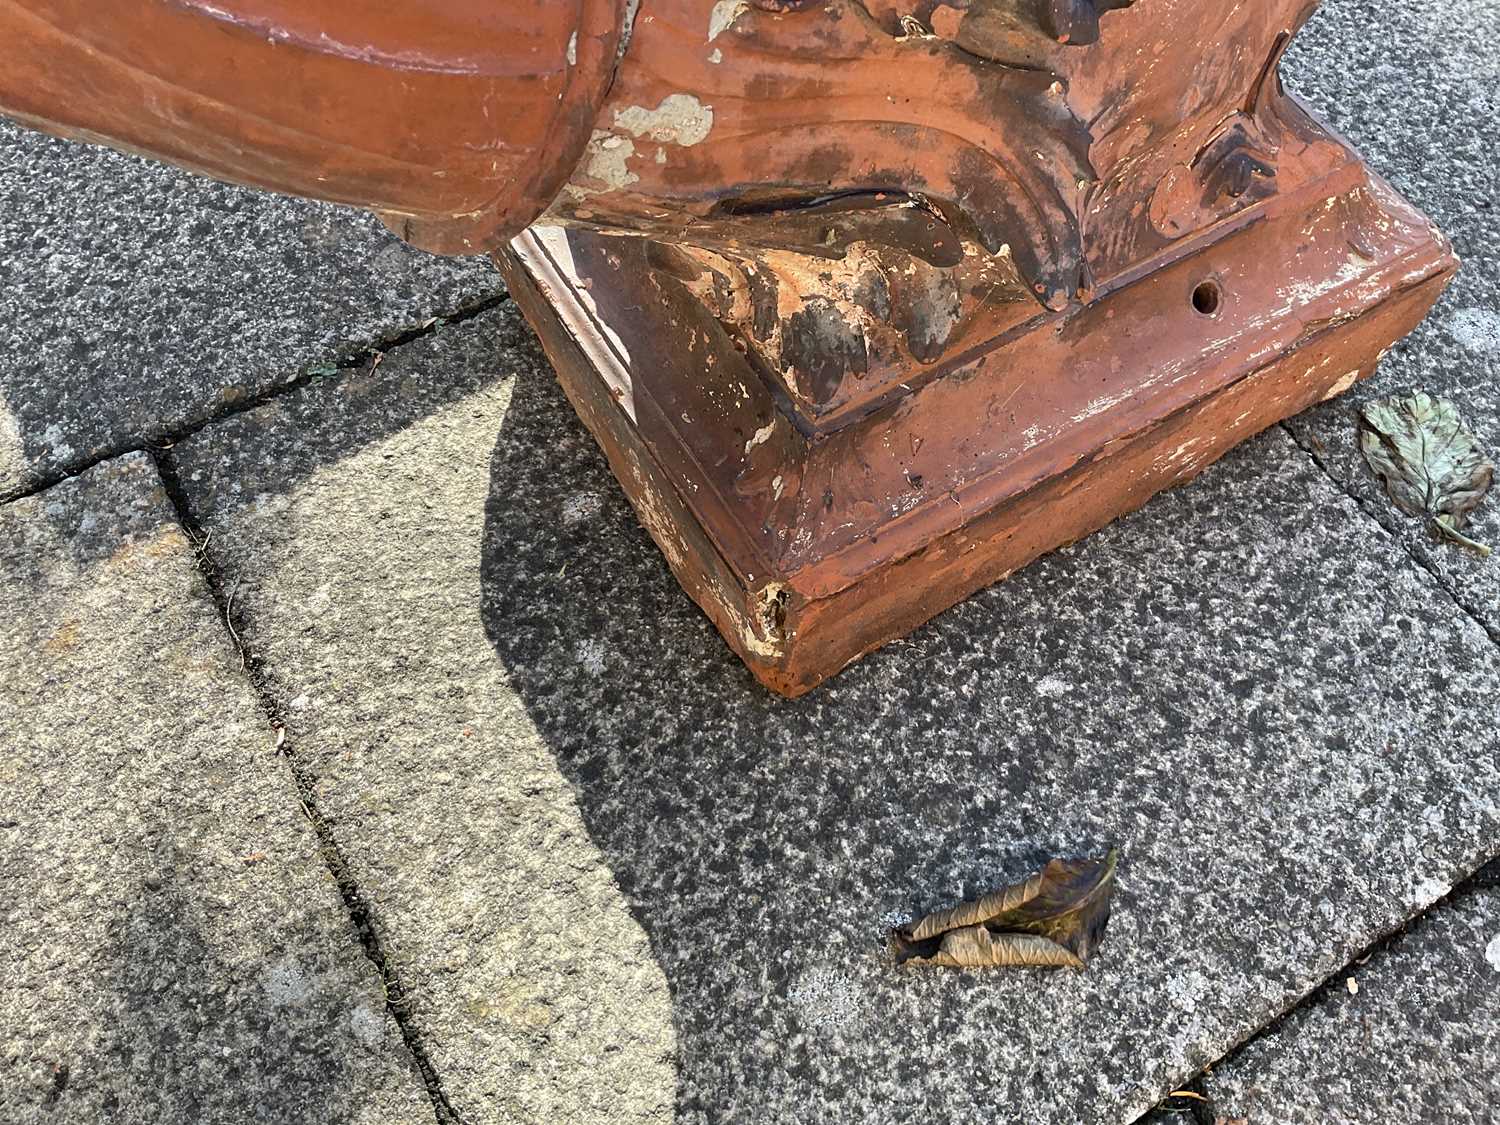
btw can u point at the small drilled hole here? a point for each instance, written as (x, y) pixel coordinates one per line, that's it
(1206, 298)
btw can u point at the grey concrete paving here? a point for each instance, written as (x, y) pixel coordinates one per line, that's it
(1416, 1043)
(1248, 686)
(172, 948)
(356, 560)
(1416, 87)
(136, 298)
(619, 881)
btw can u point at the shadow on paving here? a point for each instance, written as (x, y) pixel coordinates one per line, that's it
(187, 1036)
(138, 300)
(1214, 684)
(722, 810)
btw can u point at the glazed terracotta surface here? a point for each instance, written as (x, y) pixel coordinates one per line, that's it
(868, 302)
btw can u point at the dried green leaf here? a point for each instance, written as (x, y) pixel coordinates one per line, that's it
(1430, 464)
(1054, 919)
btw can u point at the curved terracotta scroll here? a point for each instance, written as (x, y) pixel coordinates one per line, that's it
(457, 119)
(1045, 129)
(854, 185)
(956, 157)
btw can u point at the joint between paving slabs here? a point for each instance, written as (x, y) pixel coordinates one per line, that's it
(1380, 519)
(1484, 877)
(397, 1002)
(361, 919)
(362, 358)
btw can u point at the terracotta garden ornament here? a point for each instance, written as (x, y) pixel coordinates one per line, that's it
(868, 302)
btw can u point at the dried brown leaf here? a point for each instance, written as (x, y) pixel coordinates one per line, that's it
(992, 905)
(1053, 919)
(975, 947)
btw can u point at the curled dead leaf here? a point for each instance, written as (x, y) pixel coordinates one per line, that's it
(1054, 919)
(1430, 464)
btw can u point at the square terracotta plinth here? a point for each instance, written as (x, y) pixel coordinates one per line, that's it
(810, 540)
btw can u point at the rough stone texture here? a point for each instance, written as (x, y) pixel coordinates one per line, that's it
(356, 559)
(1414, 86)
(505, 699)
(136, 299)
(1248, 686)
(172, 948)
(1419, 1042)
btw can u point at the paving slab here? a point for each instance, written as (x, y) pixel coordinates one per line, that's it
(136, 299)
(1416, 86)
(1248, 686)
(1416, 1041)
(172, 948)
(353, 547)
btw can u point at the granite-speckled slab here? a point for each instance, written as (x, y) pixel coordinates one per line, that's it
(1416, 87)
(1248, 686)
(1417, 1041)
(172, 947)
(349, 518)
(137, 299)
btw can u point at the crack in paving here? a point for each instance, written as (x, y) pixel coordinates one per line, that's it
(361, 918)
(363, 358)
(1484, 877)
